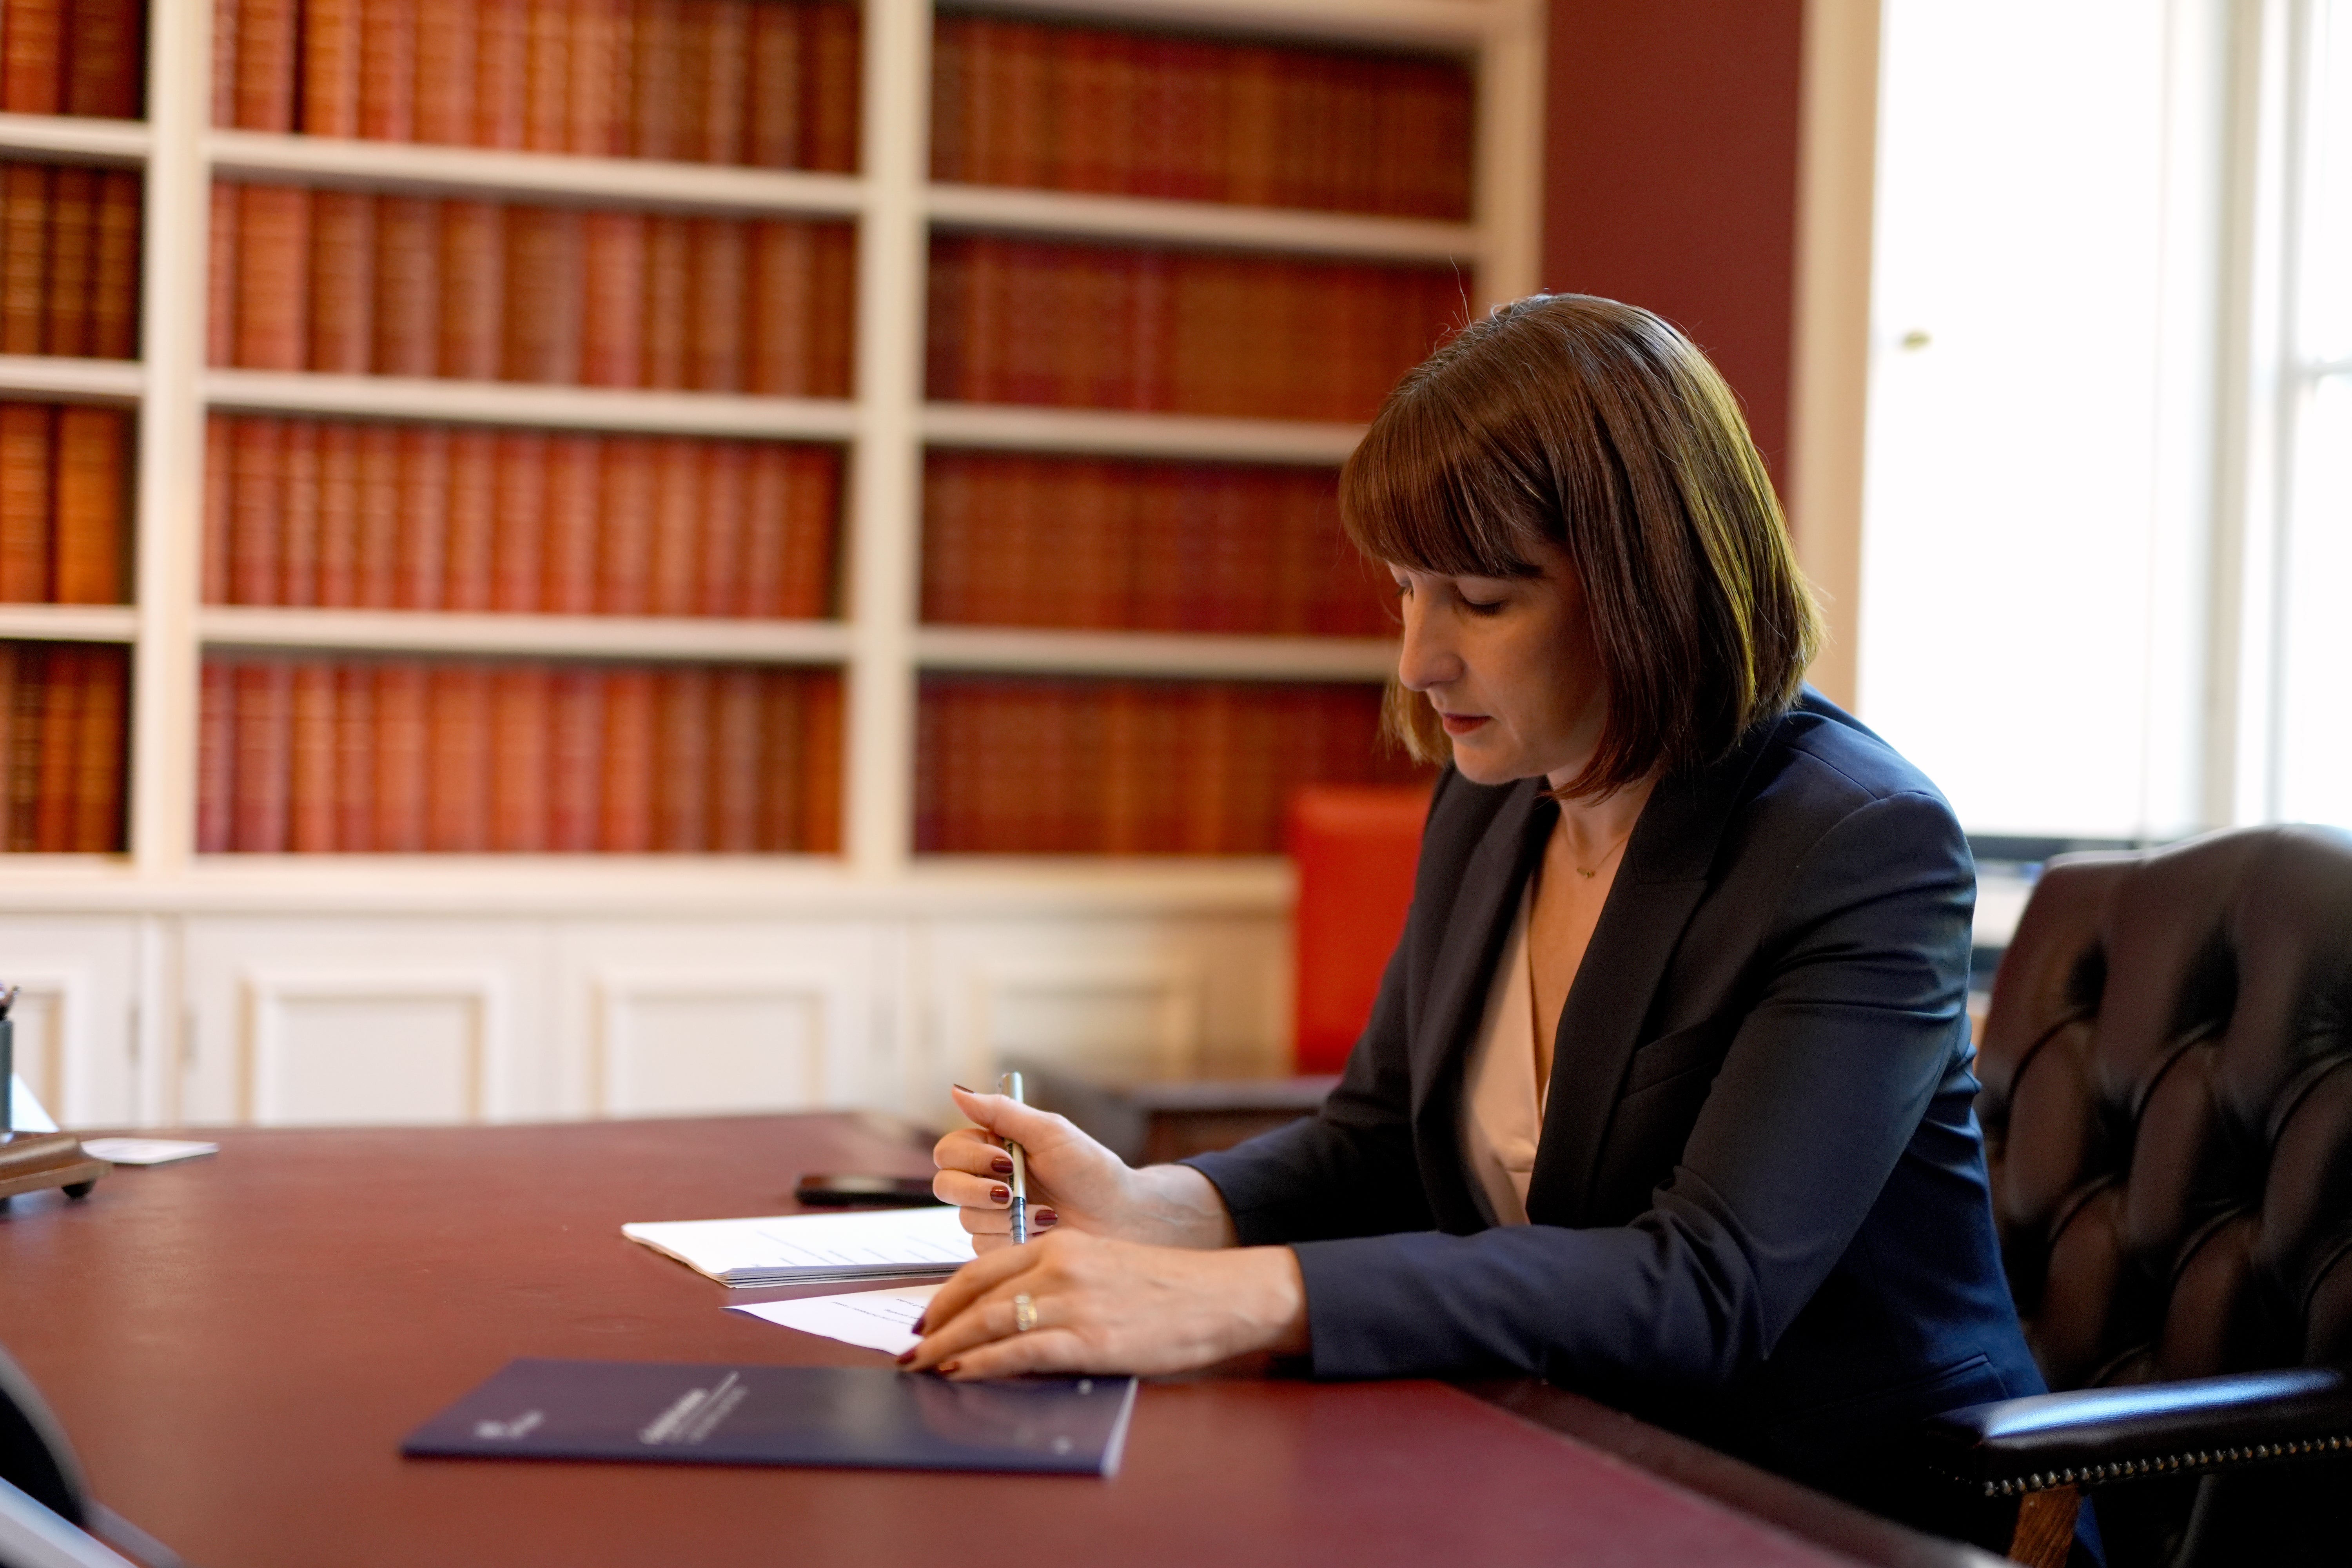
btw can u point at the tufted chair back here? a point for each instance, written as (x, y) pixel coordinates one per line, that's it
(2168, 1109)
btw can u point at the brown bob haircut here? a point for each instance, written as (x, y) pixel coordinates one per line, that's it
(1600, 427)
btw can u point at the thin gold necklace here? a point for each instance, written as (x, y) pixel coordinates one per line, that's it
(1588, 873)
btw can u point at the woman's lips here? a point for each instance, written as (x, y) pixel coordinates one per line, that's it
(1461, 723)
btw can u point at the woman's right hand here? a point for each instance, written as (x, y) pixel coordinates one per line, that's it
(1073, 1180)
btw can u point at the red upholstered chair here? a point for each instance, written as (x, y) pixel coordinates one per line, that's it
(2167, 1116)
(1355, 845)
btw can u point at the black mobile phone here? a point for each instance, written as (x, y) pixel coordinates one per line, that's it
(820, 1190)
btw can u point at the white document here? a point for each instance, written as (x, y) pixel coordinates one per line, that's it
(26, 1111)
(877, 1320)
(815, 1249)
(145, 1151)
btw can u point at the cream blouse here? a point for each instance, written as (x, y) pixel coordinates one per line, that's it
(1503, 1103)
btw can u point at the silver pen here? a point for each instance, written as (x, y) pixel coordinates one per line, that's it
(1010, 1085)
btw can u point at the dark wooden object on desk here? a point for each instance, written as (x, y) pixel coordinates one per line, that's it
(1149, 1121)
(30, 1161)
(238, 1345)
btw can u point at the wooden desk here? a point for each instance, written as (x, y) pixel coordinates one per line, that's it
(238, 1345)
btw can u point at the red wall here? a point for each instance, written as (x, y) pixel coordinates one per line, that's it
(1671, 173)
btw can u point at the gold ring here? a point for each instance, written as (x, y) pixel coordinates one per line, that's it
(1025, 1314)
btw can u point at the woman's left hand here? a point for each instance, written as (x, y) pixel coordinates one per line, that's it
(1111, 1306)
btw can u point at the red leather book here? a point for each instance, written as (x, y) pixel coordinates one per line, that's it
(1253, 118)
(720, 576)
(59, 734)
(521, 718)
(32, 78)
(24, 757)
(257, 498)
(811, 537)
(733, 788)
(99, 751)
(343, 281)
(767, 524)
(668, 289)
(820, 749)
(624, 537)
(93, 469)
(723, 41)
(24, 272)
(1021, 151)
(1092, 145)
(502, 68)
(547, 75)
(330, 73)
(714, 313)
(27, 431)
(378, 563)
(774, 89)
(596, 107)
(625, 810)
(102, 51)
(73, 239)
(444, 71)
(225, 72)
(339, 514)
(457, 751)
(574, 476)
(575, 767)
(298, 516)
(311, 753)
(388, 34)
(1160, 545)
(403, 700)
(658, 90)
(682, 760)
(220, 489)
(830, 78)
(545, 256)
(355, 758)
(473, 288)
(407, 299)
(780, 291)
(420, 575)
(776, 822)
(221, 289)
(265, 701)
(953, 486)
(954, 92)
(613, 305)
(266, 59)
(835, 293)
(215, 757)
(519, 530)
(114, 270)
(1119, 802)
(677, 521)
(473, 519)
(273, 277)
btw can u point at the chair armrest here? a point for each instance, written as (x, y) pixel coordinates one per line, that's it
(2099, 1434)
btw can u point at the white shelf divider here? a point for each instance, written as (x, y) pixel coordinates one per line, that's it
(1198, 655)
(114, 381)
(552, 636)
(70, 623)
(528, 404)
(1138, 435)
(1219, 223)
(75, 138)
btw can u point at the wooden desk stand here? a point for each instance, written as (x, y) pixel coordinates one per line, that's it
(32, 1161)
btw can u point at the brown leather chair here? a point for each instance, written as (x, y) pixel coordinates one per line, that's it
(2167, 1113)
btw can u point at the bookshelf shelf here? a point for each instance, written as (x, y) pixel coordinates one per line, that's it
(523, 404)
(1442, 24)
(1199, 654)
(1137, 435)
(70, 623)
(73, 380)
(75, 138)
(1220, 224)
(427, 169)
(558, 636)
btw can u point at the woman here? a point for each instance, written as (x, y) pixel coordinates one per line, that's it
(1665, 1096)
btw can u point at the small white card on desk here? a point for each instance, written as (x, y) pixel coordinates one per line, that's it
(877, 1319)
(146, 1151)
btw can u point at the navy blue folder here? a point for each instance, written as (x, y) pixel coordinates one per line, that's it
(864, 1417)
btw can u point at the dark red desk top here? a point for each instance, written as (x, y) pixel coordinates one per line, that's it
(238, 1345)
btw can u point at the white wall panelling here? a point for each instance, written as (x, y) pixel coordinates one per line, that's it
(74, 1025)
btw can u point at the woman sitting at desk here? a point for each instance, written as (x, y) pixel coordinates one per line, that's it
(1665, 1096)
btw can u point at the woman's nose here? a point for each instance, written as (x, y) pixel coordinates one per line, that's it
(1426, 657)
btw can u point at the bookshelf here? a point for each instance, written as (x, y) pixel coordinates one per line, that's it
(936, 940)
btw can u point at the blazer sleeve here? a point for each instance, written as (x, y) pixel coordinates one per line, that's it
(1823, 1086)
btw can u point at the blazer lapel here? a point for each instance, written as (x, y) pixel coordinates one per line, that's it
(1661, 881)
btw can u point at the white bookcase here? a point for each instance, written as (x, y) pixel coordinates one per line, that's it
(358, 987)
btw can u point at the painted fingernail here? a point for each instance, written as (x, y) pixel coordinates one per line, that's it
(1000, 1194)
(950, 1365)
(1045, 1217)
(1001, 1164)
(905, 1357)
(920, 1327)
(967, 1089)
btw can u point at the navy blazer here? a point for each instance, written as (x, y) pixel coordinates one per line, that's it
(1760, 1206)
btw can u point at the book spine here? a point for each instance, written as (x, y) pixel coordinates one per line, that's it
(547, 75)
(473, 519)
(681, 778)
(834, 291)
(339, 515)
(626, 798)
(597, 99)
(31, 74)
(407, 303)
(114, 279)
(402, 698)
(343, 281)
(732, 811)
(310, 758)
(458, 754)
(573, 478)
(220, 492)
(388, 37)
(766, 528)
(723, 102)
(715, 305)
(225, 73)
(422, 535)
(677, 512)
(819, 779)
(381, 501)
(776, 822)
(215, 757)
(93, 464)
(24, 736)
(257, 466)
(26, 431)
(669, 272)
(298, 516)
(519, 532)
(273, 277)
(221, 279)
(522, 699)
(66, 682)
(265, 55)
(24, 271)
(330, 74)
(658, 90)
(952, 98)
(355, 758)
(625, 540)
(780, 308)
(575, 760)
(502, 72)
(544, 267)
(725, 494)
(774, 112)
(446, 67)
(811, 533)
(73, 243)
(264, 756)
(613, 308)
(473, 288)
(829, 47)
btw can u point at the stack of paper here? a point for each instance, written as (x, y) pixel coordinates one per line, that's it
(814, 1250)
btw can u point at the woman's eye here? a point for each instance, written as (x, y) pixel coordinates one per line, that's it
(1481, 607)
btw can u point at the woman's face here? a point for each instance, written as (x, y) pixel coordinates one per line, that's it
(1509, 665)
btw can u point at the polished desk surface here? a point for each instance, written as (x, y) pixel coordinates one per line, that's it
(238, 1345)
